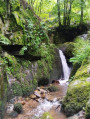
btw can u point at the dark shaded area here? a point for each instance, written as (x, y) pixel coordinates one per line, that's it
(67, 34)
(15, 49)
(43, 81)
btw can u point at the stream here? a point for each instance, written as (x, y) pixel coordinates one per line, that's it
(34, 110)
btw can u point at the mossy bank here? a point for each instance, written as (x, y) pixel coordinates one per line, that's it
(78, 92)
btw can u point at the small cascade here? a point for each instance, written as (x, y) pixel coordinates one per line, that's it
(65, 68)
(44, 106)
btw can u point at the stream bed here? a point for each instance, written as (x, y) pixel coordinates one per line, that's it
(33, 109)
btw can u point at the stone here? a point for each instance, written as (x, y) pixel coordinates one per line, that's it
(56, 81)
(43, 91)
(33, 96)
(38, 88)
(37, 93)
(43, 95)
(50, 98)
(39, 100)
(13, 114)
(88, 79)
(23, 103)
(9, 108)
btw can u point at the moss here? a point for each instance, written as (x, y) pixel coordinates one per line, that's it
(82, 72)
(69, 49)
(3, 88)
(78, 91)
(15, 4)
(27, 88)
(18, 108)
(2, 8)
(76, 66)
(87, 112)
(17, 89)
(46, 115)
(52, 88)
(17, 38)
(76, 99)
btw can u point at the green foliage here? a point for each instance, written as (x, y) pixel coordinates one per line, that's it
(4, 40)
(2, 8)
(52, 88)
(46, 115)
(19, 18)
(23, 49)
(27, 88)
(87, 112)
(81, 51)
(15, 4)
(17, 90)
(18, 108)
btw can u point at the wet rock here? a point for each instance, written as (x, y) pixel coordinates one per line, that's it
(37, 93)
(79, 115)
(43, 95)
(39, 100)
(43, 91)
(50, 98)
(38, 88)
(13, 114)
(9, 108)
(55, 81)
(33, 96)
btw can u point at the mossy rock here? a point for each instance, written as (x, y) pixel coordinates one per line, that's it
(18, 108)
(76, 66)
(87, 111)
(46, 115)
(17, 89)
(78, 92)
(67, 48)
(27, 88)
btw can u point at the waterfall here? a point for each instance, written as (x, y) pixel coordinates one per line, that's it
(65, 68)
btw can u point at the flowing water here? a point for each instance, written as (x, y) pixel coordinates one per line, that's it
(65, 68)
(47, 106)
(44, 106)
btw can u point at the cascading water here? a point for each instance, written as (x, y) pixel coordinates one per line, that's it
(65, 68)
(44, 106)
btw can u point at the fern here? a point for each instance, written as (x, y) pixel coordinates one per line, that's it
(4, 40)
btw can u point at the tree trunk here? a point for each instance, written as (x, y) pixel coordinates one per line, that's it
(81, 18)
(69, 12)
(58, 5)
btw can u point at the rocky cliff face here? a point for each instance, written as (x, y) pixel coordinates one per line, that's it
(25, 56)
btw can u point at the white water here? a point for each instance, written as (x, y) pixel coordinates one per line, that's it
(65, 67)
(44, 106)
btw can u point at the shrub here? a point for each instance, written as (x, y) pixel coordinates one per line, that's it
(52, 88)
(18, 108)
(81, 51)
